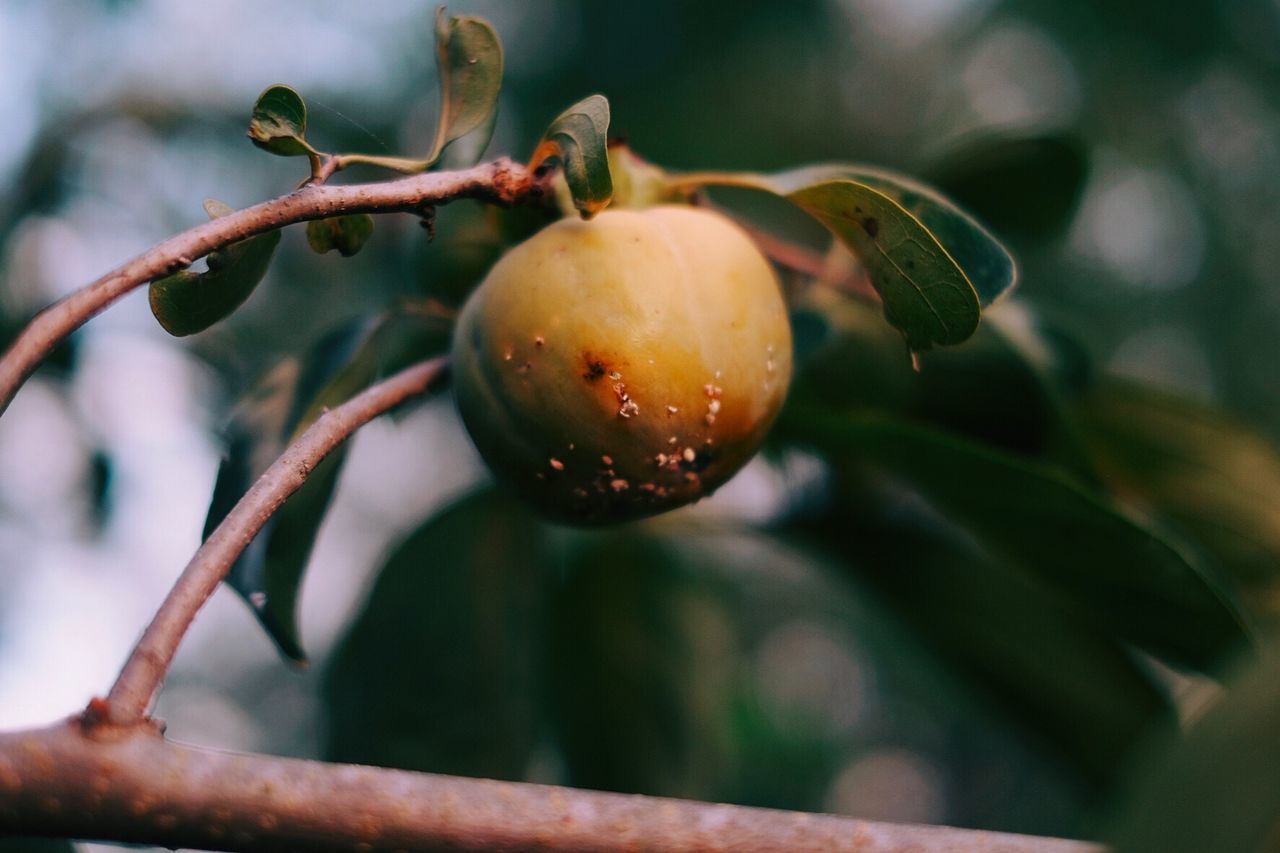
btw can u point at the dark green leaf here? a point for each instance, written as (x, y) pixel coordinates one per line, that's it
(991, 389)
(1025, 187)
(1214, 481)
(635, 680)
(1119, 573)
(189, 302)
(346, 234)
(932, 264)
(469, 58)
(279, 122)
(1072, 686)
(1219, 789)
(269, 573)
(579, 139)
(437, 673)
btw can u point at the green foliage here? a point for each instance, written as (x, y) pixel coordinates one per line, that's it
(346, 234)
(288, 400)
(438, 672)
(637, 645)
(188, 302)
(469, 59)
(1122, 575)
(933, 265)
(1024, 186)
(578, 138)
(279, 122)
(1214, 482)
(1220, 788)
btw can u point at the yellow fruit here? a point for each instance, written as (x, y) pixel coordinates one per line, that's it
(623, 366)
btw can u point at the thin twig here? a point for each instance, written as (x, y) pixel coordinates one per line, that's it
(132, 785)
(502, 181)
(146, 666)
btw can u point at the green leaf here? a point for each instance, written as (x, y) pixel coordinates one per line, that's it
(933, 265)
(188, 302)
(1070, 684)
(469, 58)
(635, 675)
(1215, 482)
(279, 122)
(437, 673)
(288, 400)
(1219, 789)
(1118, 573)
(1024, 187)
(346, 234)
(578, 138)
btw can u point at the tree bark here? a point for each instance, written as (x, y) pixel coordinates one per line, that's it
(94, 780)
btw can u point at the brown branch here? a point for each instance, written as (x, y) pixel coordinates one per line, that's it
(503, 181)
(145, 669)
(132, 785)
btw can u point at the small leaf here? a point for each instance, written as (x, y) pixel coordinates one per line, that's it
(469, 58)
(578, 138)
(438, 671)
(188, 302)
(291, 397)
(279, 122)
(346, 234)
(1117, 572)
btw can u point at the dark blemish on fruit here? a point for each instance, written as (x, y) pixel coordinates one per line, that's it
(871, 226)
(594, 368)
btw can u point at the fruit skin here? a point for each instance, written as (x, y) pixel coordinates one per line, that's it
(622, 366)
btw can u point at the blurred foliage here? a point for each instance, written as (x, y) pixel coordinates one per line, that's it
(1008, 568)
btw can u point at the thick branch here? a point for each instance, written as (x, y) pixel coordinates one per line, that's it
(145, 669)
(132, 785)
(502, 180)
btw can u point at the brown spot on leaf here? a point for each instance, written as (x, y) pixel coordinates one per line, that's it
(872, 226)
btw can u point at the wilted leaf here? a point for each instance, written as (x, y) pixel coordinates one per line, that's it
(1113, 571)
(1215, 481)
(579, 139)
(1219, 789)
(469, 58)
(269, 572)
(346, 234)
(188, 302)
(1022, 186)
(279, 122)
(437, 673)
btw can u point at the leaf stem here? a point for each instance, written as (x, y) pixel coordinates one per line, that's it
(145, 669)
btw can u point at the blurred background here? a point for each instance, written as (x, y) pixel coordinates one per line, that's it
(733, 664)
